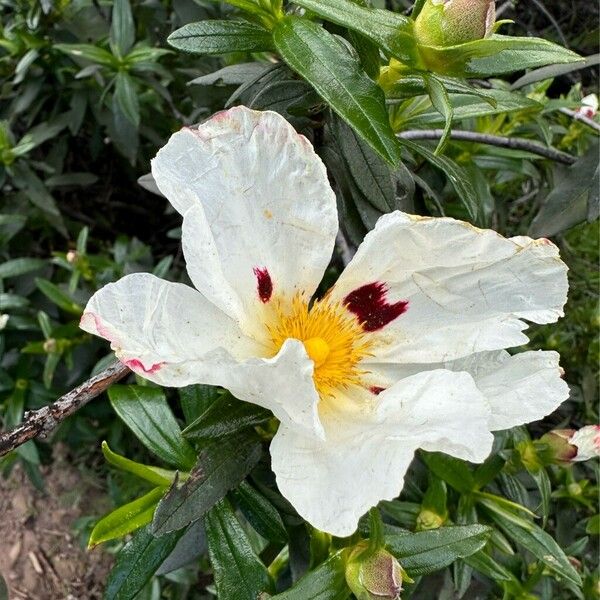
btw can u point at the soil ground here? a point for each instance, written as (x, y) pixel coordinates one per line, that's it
(41, 555)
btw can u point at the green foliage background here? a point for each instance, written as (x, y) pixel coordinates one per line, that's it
(90, 90)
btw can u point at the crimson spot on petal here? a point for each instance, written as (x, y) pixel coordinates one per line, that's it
(370, 305)
(264, 284)
(376, 390)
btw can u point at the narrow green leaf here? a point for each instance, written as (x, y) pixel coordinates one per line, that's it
(224, 416)
(339, 79)
(441, 102)
(261, 514)
(239, 573)
(196, 399)
(221, 466)
(535, 540)
(486, 565)
(126, 518)
(126, 97)
(122, 28)
(428, 551)
(137, 562)
(89, 52)
(221, 37)
(326, 582)
(20, 266)
(146, 412)
(457, 175)
(154, 475)
(391, 31)
(451, 470)
(57, 296)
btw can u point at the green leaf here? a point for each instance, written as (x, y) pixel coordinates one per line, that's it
(260, 513)
(552, 71)
(57, 296)
(3, 589)
(221, 466)
(495, 55)
(146, 412)
(428, 551)
(441, 102)
(458, 176)
(137, 562)
(573, 199)
(88, 52)
(196, 399)
(20, 266)
(339, 79)
(534, 539)
(486, 565)
(593, 525)
(391, 31)
(126, 518)
(127, 98)
(221, 37)
(239, 573)
(122, 28)
(154, 475)
(326, 582)
(225, 416)
(451, 470)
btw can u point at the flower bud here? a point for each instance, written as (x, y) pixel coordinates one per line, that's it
(376, 577)
(427, 519)
(559, 449)
(587, 442)
(452, 22)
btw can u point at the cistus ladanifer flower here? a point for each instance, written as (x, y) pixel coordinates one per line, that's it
(405, 351)
(451, 22)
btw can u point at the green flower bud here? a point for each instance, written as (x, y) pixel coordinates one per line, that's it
(378, 576)
(428, 519)
(559, 450)
(451, 22)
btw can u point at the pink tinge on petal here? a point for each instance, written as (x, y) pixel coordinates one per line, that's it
(136, 365)
(376, 390)
(370, 305)
(102, 330)
(264, 284)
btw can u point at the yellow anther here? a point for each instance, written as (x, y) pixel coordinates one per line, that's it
(317, 349)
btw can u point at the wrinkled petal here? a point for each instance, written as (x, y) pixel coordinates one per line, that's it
(443, 289)
(369, 444)
(260, 217)
(519, 389)
(166, 332)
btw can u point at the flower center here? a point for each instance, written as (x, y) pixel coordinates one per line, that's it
(332, 336)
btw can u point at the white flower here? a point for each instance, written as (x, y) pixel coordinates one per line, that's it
(3, 321)
(587, 442)
(406, 351)
(589, 106)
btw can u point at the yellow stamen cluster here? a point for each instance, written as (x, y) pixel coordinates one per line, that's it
(332, 337)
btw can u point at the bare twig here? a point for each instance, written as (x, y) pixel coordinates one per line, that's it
(39, 423)
(491, 140)
(580, 117)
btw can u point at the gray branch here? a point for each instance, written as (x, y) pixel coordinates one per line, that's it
(39, 423)
(491, 140)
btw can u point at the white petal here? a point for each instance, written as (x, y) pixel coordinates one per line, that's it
(521, 388)
(365, 453)
(587, 442)
(467, 290)
(260, 215)
(166, 332)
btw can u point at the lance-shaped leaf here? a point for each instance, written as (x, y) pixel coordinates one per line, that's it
(391, 31)
(494, 55)
(326, 582)
(146, 412)
(195, 399)
(339, 79)
(137, 562)
(122, 28)
(225, 416)
(441, 102)
(221, 37)
(221, 465)
(126, 518)
(428, 551)
(239, 573)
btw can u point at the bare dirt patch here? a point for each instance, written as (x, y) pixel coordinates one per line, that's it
(41, 556)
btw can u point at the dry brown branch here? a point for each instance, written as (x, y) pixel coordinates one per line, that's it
(39, 423)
